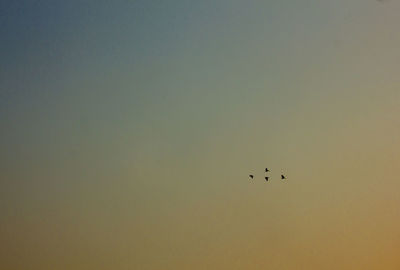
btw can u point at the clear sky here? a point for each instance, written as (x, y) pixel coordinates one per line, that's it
(128, 130)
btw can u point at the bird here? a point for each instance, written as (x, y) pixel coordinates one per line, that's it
(283, 177)
(251, 176)
(266, 178)
(266, 170)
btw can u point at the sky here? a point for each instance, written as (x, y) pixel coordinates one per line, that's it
(128, 130)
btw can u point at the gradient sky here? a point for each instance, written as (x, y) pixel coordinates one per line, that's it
(128, 130)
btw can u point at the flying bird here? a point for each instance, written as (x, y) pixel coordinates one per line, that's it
(251, 176)
(266, 178)
(283, 177)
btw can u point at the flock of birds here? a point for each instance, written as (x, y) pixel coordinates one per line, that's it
(267, 177)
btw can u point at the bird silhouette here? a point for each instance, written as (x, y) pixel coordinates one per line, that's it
(266, 170)
(283, 177)
(266, 178)
(251, 176)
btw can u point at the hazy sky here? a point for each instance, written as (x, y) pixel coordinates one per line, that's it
(128, 130)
